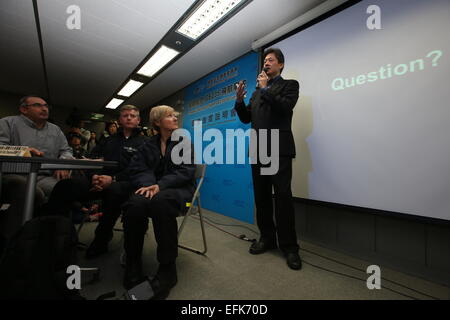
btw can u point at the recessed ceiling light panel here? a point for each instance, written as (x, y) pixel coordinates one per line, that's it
(114, 103)
(206, 16)
(130, 88)
(161, 57)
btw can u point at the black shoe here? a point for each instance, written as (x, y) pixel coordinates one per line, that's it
(133, 274)
(293, 260)
(262, 246)
(96, 249)
(163, 282)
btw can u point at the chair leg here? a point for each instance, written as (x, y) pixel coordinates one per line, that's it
(202, 226)
(183, 223)
(205, 248)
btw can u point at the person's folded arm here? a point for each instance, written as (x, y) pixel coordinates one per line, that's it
(141, 170)
(182, 175)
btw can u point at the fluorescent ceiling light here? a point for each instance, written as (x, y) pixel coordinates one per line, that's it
(130, 88)
(206, 16)
(114, 103)
(161, 57)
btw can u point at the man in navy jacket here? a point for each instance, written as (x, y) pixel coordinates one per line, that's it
(111, 185)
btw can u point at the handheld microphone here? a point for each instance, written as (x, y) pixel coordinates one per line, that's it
(257, 82)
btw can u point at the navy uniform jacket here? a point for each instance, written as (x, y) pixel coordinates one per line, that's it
(120, 149)
(272, 108)
(149, 166)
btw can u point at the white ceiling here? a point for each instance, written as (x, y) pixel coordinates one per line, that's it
(85, 67)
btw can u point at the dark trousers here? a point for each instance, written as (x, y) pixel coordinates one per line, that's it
(66, 192)
(163, 209)
(112, 199)
(284, 229)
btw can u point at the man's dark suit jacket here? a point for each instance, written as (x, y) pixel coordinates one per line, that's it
(272, 108)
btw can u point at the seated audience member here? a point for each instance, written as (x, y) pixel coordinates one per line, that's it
(75, 144)
(77, 128)
(92, 142)
(110, 130)
(45, 139)
(111, 185)
(163, 188)
(74, 140)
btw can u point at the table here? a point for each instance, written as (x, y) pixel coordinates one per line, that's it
(32, 166)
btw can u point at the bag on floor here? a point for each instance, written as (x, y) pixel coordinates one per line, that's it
(34, 264)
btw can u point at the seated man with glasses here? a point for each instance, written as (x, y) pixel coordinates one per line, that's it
(45, 139)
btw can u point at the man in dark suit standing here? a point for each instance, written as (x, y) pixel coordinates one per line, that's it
(271, 107)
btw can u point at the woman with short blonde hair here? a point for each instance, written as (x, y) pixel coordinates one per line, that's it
(158, 113)
(163, 189)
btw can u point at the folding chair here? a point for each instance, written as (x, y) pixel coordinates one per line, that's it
(199, 176)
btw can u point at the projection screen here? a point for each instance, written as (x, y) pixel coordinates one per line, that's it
(372, 125)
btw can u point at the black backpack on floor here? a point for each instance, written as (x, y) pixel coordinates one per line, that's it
(34, 264)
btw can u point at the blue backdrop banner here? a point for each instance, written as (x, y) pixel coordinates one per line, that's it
(227, 187)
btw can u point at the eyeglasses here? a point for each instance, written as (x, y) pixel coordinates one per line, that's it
(37, 105)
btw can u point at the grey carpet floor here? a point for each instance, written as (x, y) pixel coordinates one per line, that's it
(229, 272)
